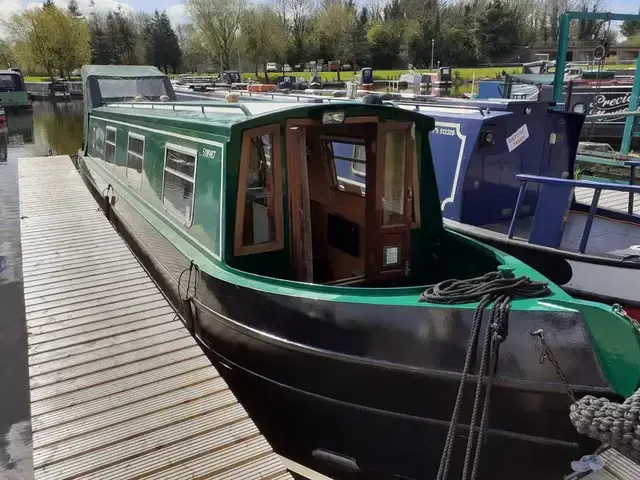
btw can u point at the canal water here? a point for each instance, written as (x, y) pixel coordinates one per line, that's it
(55, 127)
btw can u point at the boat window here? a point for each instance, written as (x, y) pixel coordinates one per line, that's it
(394, 178)
(110, 146)
(135, 158)
(9, 82)
(179, 182)
(349, 164)
(259, 207)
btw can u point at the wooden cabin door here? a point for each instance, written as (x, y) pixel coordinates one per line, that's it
(299, 207)
(389, 193)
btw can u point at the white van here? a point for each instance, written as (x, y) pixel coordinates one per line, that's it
(272, 67)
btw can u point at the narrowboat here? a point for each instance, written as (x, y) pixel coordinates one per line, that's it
(322, 303)
(13, 93)
(491, 154)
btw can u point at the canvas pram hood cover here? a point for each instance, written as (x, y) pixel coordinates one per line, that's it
(122, 83)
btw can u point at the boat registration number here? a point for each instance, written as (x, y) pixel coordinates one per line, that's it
(208, 153)
(444, 131)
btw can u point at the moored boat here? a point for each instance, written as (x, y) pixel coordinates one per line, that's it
(316, 296)
(576, 239)
(3, 118)
(13, 93)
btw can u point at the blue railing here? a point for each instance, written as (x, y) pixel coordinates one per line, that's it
(569, 183)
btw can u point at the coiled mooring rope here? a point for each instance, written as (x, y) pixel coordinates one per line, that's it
(500, 288)
(617, 424)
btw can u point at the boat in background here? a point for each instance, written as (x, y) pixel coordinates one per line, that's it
(485, 154)
(316, 299)
(13, 93)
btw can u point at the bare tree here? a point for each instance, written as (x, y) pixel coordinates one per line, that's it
(218, 23)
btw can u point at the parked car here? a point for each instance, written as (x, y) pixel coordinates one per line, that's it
(298, 67)
(287, 68)
(272, 67)
(333, 66)
(346, 66)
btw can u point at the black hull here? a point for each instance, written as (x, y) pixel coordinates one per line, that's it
(375, 385)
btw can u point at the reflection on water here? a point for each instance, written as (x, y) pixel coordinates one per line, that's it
(55, 127)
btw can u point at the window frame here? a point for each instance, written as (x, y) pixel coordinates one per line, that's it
(276, 159)
(354, 188)
(188, 151)
(115, 144)
(137, 136)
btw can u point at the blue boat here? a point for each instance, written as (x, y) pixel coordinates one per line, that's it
(505, 172)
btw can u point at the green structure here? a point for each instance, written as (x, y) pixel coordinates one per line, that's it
(13, 93)
(561, 60)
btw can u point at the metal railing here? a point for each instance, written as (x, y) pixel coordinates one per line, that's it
(597, 186)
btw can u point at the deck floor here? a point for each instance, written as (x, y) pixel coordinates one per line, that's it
(119, 388)
(617, 201)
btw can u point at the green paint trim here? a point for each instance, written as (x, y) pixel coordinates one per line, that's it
(617, 343)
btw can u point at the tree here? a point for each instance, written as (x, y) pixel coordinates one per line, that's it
(496, 32)
(262, 37)
(49, 39)
(218, 23)
(73, 9)
(7, 55)
(630, 28)
(334, 28)
(163, 49)
(386, 40)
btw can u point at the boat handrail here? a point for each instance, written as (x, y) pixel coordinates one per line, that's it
(194, 106)
(569, 184)
(460, 108)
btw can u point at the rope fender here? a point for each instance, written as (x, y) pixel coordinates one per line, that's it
(610, 422)
(501, 288)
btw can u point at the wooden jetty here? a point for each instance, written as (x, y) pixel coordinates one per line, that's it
(119, 388)
(616, 201)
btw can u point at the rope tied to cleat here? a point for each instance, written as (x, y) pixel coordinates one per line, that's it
(499, 288)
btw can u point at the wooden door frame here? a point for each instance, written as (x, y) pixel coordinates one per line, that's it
(375, 230)
(298, 254)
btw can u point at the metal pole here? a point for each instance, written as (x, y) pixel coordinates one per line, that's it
(561, 58)
(432, 47)
(633, 106)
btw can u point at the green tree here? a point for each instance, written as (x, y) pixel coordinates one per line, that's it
(261, 37)
(386, 41)
(163, 49)
(73, 9)
(7, 55)
(630, 28)
(217, 22)
(496, 32)
(334, 28)
(49, 39)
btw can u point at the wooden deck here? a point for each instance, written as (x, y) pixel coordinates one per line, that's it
(616, 467)
(119, 388)
(618, 201)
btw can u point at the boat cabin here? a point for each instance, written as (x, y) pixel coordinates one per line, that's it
(260, 187)
(13, 93)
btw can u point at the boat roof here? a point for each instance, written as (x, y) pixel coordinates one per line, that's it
(453, 111)
(532, 78)
(120, 71)
(226, 115)
(9, 72)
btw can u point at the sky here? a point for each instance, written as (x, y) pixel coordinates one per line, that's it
(175, 8)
